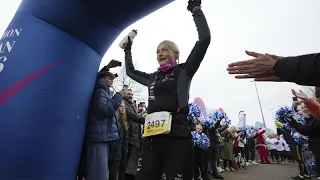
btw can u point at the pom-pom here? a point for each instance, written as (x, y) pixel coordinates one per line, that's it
(301, 120)
(284, 112)
(194, 113)
(226, 119)
(302, 140)
(243, 128)
(200, 140)
(216, 115)
(208, 122)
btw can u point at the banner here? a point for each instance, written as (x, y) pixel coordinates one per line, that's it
(242, 119)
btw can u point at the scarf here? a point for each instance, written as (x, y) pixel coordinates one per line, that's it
(168, 66)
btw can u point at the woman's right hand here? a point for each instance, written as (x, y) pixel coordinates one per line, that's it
(192, 4)
(128, 45)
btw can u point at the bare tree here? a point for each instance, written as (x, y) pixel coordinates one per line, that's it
(139, 91)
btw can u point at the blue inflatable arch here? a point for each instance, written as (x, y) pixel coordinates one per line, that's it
(49, 58)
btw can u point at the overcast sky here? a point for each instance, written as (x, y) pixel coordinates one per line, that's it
(286, 27)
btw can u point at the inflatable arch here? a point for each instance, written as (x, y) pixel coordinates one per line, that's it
(49, 58)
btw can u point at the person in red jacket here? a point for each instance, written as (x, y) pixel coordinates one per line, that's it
(262, 147)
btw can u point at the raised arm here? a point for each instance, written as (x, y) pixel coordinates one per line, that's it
(199, 50)
(103, 105)
(216, 125)
(140, 77)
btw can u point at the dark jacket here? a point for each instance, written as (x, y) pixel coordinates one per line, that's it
(251, 142)
(302, 69)
(214, 133)
(169, 91)
(286, 135)
(135, 122)
(102, 124)
(312, 130)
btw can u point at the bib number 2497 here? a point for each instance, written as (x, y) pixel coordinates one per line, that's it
(157, 123)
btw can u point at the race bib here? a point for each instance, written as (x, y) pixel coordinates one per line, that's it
(157, 123)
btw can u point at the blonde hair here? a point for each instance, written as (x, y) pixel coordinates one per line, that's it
(122, 116)
(199, 126)
(173, 47)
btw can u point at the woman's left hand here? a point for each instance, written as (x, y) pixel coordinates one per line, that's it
(300, 94)
(192, 4)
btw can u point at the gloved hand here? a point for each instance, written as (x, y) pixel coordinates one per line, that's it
(112, 64)
(278, 124)
(117, 96)
(128, 45)
(192, 4)
(116, 100)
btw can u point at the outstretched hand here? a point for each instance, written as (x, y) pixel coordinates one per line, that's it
(260, 67)
(300, 94)
(128, 45)
(192, 4)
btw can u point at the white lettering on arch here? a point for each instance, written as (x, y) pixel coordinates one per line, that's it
(11, 33)
(6, 46)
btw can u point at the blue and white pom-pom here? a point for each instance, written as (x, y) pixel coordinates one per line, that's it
(284, 112)
(243, 128)
(226, 119)
(200, 140)
(208, 122)
(302, 140)
(194, 113)
(195, 136)
(301, 120)
(204, 141)
(215, 115)
(249, 135)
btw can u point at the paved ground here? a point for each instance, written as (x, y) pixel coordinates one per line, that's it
(263, 172)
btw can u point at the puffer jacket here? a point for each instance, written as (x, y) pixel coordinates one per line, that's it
(102, 124)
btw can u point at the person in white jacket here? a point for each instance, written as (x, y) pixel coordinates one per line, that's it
(270, 141)
(280, 147)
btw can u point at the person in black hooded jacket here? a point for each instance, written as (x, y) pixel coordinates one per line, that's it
(170, 151)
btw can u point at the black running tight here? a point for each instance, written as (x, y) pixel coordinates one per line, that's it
(171, 155)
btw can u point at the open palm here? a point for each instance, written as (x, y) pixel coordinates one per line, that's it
(300, 94)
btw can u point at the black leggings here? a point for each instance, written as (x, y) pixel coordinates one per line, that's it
(282, 155)
(274, 155)
(202, 166)
(252, 151)
(289, 156)
(297, 154)
(171, 155)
